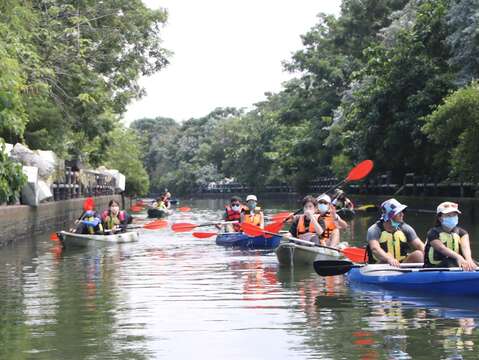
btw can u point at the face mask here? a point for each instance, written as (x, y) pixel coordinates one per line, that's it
(323, 208)
(395, 224)
(236, 208)
(252, 205)
(450, 222)
(114, 209)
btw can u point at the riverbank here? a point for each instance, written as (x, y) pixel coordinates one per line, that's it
(21, 221)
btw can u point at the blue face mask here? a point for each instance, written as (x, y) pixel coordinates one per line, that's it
(252, 205)
(450, 222)
(323, 208)
(395, 224)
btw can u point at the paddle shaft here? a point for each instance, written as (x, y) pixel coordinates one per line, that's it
(305, 242)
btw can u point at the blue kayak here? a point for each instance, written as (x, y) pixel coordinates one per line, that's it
(443, 282)
(247, 242)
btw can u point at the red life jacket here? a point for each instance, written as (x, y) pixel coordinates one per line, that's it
(234, 216)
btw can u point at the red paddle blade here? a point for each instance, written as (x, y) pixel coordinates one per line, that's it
(184, 209)
(355, 254)
(360, 171)
(182, 227)
(88, 204)
(159, 224)
(281, 217)
(54, 237)
(140, 203)
(204, 235)
(252, 230)
(136, 208)
(274, 227)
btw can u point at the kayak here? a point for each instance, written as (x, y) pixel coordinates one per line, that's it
(452, 281)
(69, 239)
(346, 214)
(157, 213)
(290, 253)
(247, 242)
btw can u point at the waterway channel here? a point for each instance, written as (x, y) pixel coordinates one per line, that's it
(172, 296)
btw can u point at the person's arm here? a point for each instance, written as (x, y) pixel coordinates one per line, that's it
(382, 255)
(317, 227)
(466, 252)
(340, 223)
(293, 229)
(412, 238)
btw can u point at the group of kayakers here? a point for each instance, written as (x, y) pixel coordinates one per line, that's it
(391, 240)
(110, 221)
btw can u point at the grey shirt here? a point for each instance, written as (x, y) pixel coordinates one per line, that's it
(374, 231)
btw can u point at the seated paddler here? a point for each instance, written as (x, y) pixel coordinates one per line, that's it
(308, 226)
(252, 214)
(332, 222)
(392, 241)
(115, 220)
(447, 244)
(232, 213)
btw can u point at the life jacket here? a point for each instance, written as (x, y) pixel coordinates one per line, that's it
(394, 244)
(330, 226)
(111, 221)
(449, 240)
(90, 228)
(301, 228)
(255, 218)
(234, 216)
(167, 203)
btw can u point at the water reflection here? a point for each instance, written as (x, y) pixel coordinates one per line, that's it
(174, 296)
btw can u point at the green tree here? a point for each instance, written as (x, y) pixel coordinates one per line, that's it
(12, 178)
(124, 155)
(454, 129)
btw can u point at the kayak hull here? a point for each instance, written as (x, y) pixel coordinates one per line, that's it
(85, 240)
(157, 213)
(445, 283)
(290, 254)
(243, 241)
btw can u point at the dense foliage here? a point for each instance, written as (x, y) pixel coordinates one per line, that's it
(69, 68)
(386, 80)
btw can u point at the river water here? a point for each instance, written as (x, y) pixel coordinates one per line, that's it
(172, 296)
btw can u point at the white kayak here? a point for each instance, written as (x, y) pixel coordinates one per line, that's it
(69, 239)
(300, 253)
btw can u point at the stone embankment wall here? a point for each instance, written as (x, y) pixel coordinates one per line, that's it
(20, 221)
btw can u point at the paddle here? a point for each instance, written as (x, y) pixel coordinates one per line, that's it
(136, 208)
(282, 216)
(339, 267)
(368, 207)
(204, 235)
(184, 209)
(353, 253)
(185, 227)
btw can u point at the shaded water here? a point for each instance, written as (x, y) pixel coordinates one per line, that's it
(173, 296)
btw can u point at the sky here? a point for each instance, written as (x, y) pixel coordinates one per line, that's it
(226, 53)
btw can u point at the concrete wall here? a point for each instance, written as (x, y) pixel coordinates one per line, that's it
(20, 221)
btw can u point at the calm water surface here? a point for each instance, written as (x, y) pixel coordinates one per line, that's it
(172, 296)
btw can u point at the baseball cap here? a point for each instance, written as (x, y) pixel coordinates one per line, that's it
(251, 197)
(324, 197)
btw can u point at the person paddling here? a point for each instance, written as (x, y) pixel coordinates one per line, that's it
(308, 226)
(89, 222)
(447, 245)
(391, 240)
(341, 201)
(332, 222)
(115, 220)
(253, 214)
(233, 213)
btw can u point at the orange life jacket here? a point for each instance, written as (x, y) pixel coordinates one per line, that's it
(301, 228)
(254, 219)
(329, 225)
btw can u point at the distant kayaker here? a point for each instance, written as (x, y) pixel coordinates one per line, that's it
(332, 222)
(115, 220)
(166, 199)
(89, 222)
(391, 240)
(308, 226)
(447, 245)
(340, 201)
(253, 213)
(160, 203)
(233, 213)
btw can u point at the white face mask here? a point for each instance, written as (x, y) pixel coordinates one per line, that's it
(323, 208)
(115, 209)
(236, 208)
